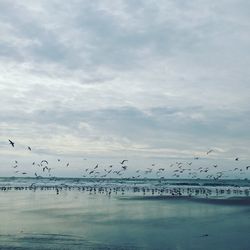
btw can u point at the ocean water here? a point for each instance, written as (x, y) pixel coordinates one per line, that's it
(84, 214)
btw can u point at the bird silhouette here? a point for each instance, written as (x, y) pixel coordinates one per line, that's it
(11, 143)
(210, 151)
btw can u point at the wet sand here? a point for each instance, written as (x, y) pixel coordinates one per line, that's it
(77, 220)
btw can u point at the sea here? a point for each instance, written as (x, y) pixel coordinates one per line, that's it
(81, 213)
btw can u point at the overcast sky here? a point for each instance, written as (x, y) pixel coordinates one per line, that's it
(148, 80)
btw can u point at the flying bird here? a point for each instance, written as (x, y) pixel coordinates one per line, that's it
(210, 151)
(122, 162)
(11, 143)
(45, 168)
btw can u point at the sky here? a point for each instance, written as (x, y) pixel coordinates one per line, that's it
(99, 81)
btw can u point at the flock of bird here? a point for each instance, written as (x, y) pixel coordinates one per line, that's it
(177, 170)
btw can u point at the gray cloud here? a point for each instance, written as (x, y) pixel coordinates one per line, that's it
(155, 78)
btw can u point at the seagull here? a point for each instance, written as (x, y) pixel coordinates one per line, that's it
(29, 148)
(210, 151)
(44, 162)
(12, 143)
(96, 166)
(45, 168)
(122, 162)
(237, 159)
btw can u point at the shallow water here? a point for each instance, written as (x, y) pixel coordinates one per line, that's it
(79, 220)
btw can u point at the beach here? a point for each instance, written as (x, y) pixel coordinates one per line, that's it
(43, 219)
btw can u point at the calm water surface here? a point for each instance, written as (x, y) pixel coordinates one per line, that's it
(78, 220)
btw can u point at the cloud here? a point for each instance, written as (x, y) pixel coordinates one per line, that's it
(155, 78)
